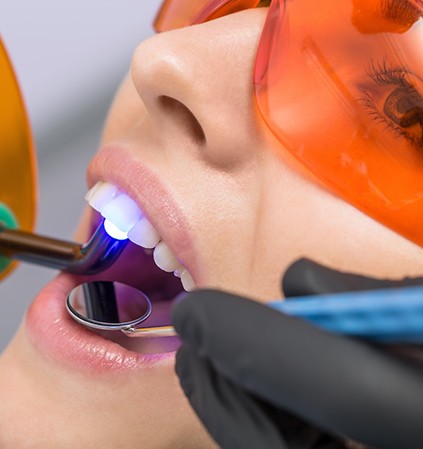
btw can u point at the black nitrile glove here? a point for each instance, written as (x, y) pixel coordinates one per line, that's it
(306, 277)
(260, 379)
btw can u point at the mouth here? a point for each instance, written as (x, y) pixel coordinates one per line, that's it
(125, 219)
(137, 204)
(156, 261)
(147, 263)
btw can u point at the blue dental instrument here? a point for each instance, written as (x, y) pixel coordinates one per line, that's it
(391, 315)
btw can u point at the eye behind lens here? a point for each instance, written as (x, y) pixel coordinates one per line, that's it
(404, 107)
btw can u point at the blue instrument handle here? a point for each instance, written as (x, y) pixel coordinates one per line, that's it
(393, 315)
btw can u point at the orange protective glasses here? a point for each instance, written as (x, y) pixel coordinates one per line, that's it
(340, 84)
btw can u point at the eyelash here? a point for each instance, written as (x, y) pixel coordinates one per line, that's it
(385, 75)
(382, 74)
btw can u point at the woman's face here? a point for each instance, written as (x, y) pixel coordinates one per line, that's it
(183, 139)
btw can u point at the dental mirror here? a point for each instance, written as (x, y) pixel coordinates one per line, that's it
(105, 305)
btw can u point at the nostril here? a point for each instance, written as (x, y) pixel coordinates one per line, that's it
(183, 118)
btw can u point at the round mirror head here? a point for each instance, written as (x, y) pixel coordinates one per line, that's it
(17, 155)
(107, 305)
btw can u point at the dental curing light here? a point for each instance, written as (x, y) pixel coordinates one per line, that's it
(114, 231)
(89, 258)
(18, 198)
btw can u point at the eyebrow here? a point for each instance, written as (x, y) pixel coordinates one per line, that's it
(402, 11)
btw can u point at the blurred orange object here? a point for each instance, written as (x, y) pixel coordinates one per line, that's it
(18, 178)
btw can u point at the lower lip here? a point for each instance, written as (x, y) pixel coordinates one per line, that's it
(55, 334)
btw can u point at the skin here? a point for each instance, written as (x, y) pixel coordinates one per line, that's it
(187, 107)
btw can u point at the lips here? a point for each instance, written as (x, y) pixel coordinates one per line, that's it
(54, 333)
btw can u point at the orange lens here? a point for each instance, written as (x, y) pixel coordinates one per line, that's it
(343, 93)
(177, 14)
(180, 13)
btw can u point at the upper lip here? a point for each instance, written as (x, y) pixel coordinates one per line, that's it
(119, 165)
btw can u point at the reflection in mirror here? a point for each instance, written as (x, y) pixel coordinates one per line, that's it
(108, 305)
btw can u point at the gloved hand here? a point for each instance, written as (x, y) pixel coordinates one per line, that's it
(260, 379)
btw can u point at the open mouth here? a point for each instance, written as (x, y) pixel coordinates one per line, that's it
(147, 263)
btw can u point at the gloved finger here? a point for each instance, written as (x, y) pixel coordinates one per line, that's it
(338, 384)
(306, 277)
(225, 409)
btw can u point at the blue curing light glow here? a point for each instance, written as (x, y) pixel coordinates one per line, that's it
(114, 231)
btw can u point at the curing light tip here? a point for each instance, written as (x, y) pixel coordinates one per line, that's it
(114, 231)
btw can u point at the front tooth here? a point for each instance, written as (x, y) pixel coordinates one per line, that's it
(101, 194)
(92, 191)
(164, 258)
(187, 281)
(143, 234)
(122, 212)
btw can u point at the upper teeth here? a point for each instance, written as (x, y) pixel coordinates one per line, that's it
(125, 214)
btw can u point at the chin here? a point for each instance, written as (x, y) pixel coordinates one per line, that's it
(49, 403)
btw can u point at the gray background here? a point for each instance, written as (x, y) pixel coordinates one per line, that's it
(69, 57)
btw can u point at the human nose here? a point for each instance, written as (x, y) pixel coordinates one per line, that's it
(197, 83)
